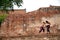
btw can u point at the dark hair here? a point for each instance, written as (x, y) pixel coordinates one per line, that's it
(47, 22)
(44, 22)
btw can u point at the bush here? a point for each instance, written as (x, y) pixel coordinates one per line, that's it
(2, 17)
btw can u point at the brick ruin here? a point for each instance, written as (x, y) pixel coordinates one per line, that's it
(19, 23)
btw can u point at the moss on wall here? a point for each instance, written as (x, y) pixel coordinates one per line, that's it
(2, 17)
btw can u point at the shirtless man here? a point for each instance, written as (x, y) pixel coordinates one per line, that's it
(42, 27)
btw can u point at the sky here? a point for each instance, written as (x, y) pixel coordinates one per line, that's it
(31, 5)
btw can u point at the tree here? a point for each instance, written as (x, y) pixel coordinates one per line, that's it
(6, 4)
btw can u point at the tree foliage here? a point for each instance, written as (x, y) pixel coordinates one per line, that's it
(5, 4)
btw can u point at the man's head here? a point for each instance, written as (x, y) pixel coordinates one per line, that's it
(43, 22)
(48, 22)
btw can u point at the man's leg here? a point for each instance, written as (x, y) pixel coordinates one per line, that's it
(43, 30)
(40, 30)
(48, 30)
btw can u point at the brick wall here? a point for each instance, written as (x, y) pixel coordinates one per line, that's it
(20, 23)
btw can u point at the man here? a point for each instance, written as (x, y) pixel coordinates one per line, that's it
(42, 27)
(48, 26)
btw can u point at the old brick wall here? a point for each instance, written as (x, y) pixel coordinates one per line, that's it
(20, 23)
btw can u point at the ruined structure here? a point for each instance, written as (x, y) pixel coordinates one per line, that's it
(19, 23)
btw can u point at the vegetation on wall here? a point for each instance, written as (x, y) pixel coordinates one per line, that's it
(2, 17)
